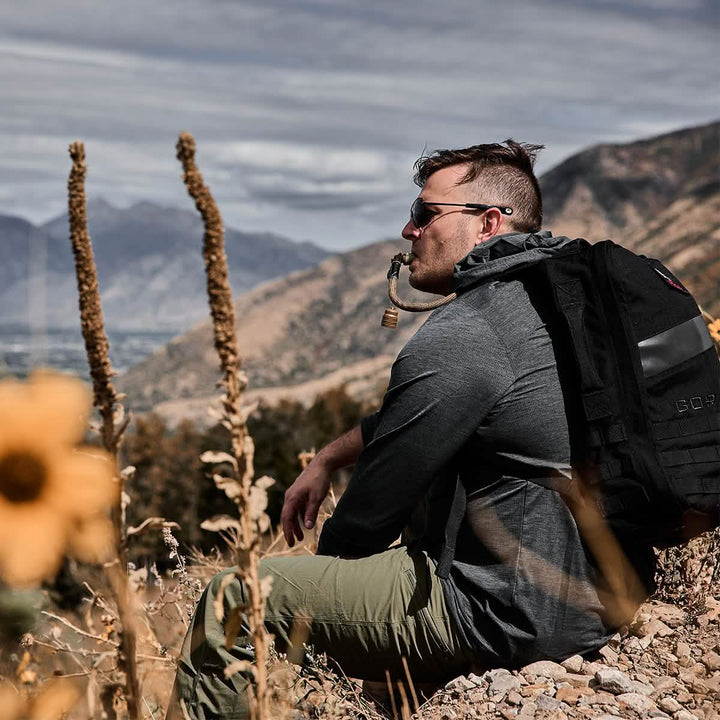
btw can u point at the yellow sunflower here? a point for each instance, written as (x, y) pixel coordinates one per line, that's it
(53, 496)
(53, 702)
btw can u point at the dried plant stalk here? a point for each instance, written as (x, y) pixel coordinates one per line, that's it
(234, 416)
(91, 318)
(105, 399)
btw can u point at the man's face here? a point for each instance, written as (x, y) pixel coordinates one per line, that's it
(448, 237)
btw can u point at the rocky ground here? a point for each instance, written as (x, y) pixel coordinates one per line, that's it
(665, 665)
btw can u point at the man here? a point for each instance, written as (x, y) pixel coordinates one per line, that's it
(472, 424)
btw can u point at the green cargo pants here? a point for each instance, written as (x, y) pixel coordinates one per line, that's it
(367, 614)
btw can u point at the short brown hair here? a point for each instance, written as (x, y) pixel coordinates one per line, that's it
(503, 175)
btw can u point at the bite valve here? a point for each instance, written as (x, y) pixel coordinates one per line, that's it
(390, 318)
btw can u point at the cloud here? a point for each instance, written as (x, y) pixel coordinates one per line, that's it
(308, 111)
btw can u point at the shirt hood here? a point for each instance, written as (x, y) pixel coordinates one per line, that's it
(510, 251)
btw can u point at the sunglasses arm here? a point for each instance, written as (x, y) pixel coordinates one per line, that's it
(390, 317)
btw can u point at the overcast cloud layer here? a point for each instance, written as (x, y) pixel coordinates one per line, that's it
(309, 113)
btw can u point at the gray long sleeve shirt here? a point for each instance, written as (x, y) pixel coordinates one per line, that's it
(475, 395)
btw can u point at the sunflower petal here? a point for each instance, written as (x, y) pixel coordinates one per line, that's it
(92, 540)
(82, 483)
(32, 542)
(11, 704)
(55, 700)
(62, 405)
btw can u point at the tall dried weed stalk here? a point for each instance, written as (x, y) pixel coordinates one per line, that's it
(106, 400)
(250, 498)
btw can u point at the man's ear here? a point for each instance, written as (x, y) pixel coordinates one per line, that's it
(492, 220)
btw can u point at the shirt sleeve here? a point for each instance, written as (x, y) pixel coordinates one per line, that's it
(368, 426)
(442, 385)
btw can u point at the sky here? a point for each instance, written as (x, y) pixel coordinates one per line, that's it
(309, 114)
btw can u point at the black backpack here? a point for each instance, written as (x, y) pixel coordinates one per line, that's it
(641, 380)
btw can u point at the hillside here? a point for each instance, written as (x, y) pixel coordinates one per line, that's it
(321, 326)
(659, 197)
(312, 324)
(148, 263)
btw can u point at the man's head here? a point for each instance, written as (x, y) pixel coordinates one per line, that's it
(496, 174)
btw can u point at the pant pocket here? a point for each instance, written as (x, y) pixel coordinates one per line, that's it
(428, 617)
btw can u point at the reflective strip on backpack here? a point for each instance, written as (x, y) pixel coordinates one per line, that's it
(674, 346)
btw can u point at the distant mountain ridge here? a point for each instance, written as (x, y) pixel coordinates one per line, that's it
(149, 266)
(658, 196)
(607, 189)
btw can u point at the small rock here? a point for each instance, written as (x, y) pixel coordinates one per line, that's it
(514, 698)
(534, 689)
(639, 703)
(578, 680)
(476, 680)
(685, 661)
(503, 682)
(590, 668)
(572, 695)
(669, 704)
(508, 713)
(642, 688)
(614, 641)
(634, 645)
(601, 698)
(663, 683)
(614, 681)
(528, 710)
(711, 661)
(669, 614)
(476, 696)
(684, 697)
(700, 686)
(573, 664)
(460, 684)
(684, 715)
(608, 655)
(557, 715)
(646, 641)
(545, 668)
(682, 649)
(547, 703)
(713, 684)
(658, 714)
(607, 716)
(712, 614)
(654, 627)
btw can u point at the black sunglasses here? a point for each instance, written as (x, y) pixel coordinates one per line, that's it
(421, 214)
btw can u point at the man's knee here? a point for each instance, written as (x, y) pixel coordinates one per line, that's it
(226, 588)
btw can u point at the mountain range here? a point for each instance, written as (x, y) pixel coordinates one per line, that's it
(148, 261)
(321, 327)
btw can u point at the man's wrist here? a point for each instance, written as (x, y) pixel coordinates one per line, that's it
(327, 460)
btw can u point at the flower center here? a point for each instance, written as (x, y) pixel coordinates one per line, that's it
(22, 477)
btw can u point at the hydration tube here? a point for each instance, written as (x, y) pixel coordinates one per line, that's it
(391, 315)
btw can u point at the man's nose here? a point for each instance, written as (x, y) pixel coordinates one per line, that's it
(411, 231)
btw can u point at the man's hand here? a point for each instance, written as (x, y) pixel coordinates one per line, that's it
(304, 496)
(303, 499)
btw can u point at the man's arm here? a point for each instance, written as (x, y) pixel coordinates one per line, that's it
(304, 496)
(443, 384)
